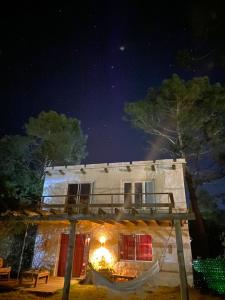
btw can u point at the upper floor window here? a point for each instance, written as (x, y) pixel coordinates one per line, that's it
(78, 193)
(140, 192)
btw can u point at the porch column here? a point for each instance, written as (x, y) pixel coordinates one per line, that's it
(181, 262)
(22, 252)
(69, 261)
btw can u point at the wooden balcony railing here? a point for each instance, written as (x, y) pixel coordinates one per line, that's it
(109, 203)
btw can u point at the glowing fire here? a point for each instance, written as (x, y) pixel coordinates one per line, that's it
(102, 259)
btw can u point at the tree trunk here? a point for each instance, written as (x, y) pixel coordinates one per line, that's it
(200, 240)
(181, 261)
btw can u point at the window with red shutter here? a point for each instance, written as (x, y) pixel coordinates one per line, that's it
(143, 247)
(136, 247)
(127, 247)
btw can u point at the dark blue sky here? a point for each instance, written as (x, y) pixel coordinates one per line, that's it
(87, 60)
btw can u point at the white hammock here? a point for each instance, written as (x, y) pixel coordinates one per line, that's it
(134, 284)
(127, 286)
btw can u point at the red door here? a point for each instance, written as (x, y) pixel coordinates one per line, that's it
(78, 255)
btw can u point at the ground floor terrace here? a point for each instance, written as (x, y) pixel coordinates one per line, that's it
(124, 248)
(127, 239)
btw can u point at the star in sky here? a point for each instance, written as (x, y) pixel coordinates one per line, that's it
(122, 48)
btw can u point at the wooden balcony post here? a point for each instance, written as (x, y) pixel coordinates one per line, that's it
(181, 262)
(69, 261)
(111, 204)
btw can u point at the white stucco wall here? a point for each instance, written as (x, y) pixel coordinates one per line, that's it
(166, 180)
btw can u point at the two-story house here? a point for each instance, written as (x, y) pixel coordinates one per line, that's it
(146, 192)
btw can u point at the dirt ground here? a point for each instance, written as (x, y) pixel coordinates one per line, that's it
(83, 292)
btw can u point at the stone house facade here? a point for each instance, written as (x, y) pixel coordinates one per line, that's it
(128, 247)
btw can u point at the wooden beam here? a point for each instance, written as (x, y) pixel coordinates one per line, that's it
(113, 217)
(30, 212)
(146, 222)
(183, 222)
(110, 205)
(124, 222)
(69, 262)
(43, 212)
(117, 211)
(134, 222)
(54, 211)
(98, 222)
(110, 222)
(101, 211)
(134, 211)
(181, 261)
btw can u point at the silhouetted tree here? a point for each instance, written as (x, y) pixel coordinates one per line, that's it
(188, 117)
(51, 139)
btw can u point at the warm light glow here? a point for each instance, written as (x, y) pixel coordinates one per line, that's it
(102, 239)
(102, 252)
(101, 258)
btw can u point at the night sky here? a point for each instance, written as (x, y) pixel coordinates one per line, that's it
(86, 60)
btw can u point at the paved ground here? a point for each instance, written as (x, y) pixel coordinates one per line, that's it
(54, 284)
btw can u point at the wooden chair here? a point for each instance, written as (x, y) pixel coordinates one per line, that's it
(4, 271)
(34, 276)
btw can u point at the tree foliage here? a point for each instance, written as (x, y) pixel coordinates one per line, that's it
(188, 116)
(51, 139)
(60, 139)
(20, 182)
(209, 207)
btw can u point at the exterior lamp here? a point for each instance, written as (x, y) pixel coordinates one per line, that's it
(102, 240)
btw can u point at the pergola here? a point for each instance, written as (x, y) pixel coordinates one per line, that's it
(112, 213)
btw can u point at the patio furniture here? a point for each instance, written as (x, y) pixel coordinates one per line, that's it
(34, 275)
(121, 277)
(4, 271)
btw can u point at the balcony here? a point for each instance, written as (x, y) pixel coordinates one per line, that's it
(104, 208)
(108, 203)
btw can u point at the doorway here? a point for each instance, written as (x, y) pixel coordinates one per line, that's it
(79, 193)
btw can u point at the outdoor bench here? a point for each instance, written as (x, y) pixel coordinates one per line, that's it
(35, 275)
(5, 272)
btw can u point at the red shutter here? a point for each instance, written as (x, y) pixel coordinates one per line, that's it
(78, 255)
(127, 247)
(143, 247)
(63, 254)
